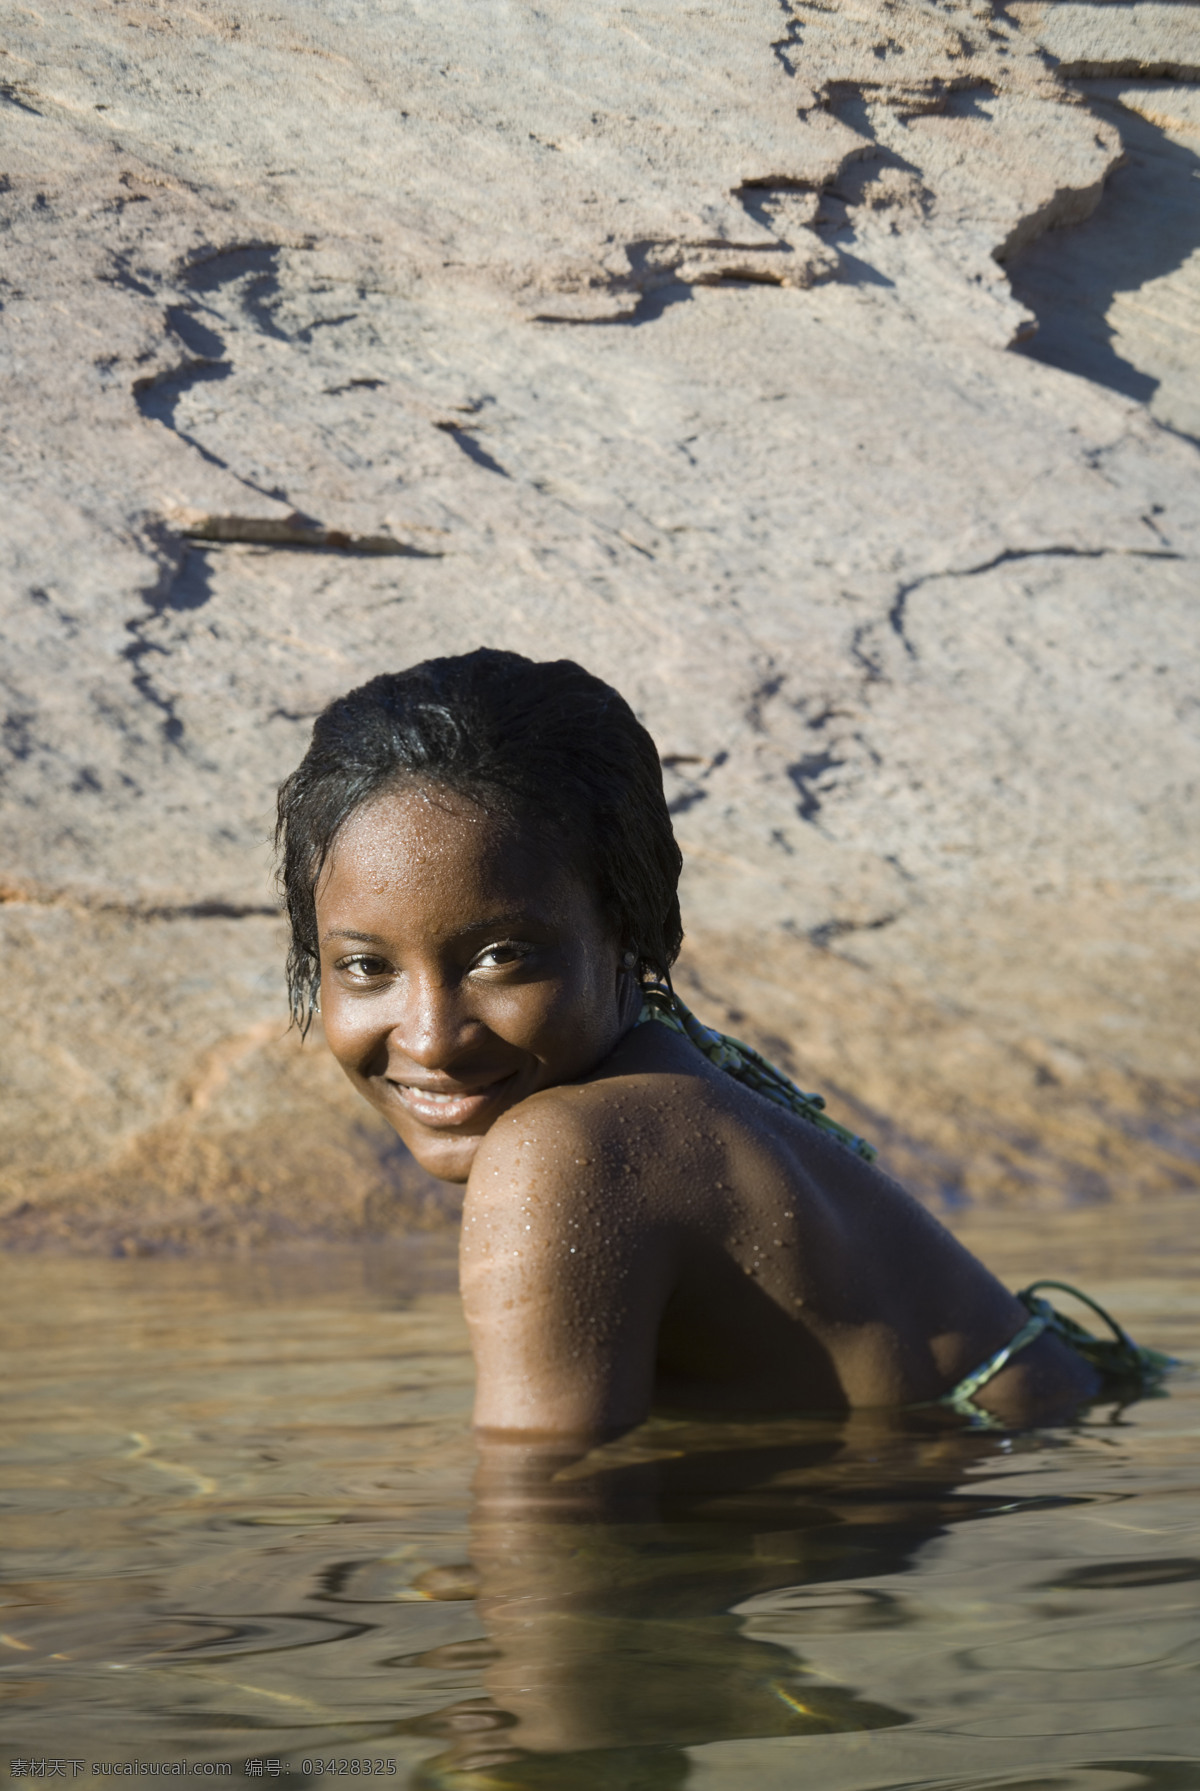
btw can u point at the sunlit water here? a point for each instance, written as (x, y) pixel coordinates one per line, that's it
(227, 1488)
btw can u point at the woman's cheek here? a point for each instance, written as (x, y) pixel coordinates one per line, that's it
(345, 1034)
(533, 1015)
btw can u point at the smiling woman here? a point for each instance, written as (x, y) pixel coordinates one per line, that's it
(466, 842)
(481, 880)
(507, 983)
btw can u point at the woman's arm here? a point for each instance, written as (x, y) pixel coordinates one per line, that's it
(564, 1274)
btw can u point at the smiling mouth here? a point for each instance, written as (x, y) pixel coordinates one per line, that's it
(444, 1109)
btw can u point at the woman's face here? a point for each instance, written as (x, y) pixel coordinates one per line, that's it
(462, 969)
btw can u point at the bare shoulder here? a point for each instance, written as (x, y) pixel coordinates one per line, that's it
(564, 1268)
(566, 1166)
(625, 1116)
(550, 1120)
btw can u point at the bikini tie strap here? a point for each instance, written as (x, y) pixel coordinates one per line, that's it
(961, 1398)
(746, 1065)
(1118, 1356)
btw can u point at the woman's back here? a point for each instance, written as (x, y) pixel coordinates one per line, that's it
(690, 1242)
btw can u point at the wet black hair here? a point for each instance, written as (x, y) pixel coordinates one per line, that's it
(541, 742)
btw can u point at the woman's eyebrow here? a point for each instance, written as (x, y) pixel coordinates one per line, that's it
(496, 923)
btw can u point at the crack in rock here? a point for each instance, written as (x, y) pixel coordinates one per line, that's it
(897, 612)
(299, 531)
(183, 583)
(157, 396)
(1130, 68)
(693, 782)
(824, 935)
(137, 650)
(16, 894)
(254, 267)
(809, 774)
(660, 272)
(10, 94)
(463, 438)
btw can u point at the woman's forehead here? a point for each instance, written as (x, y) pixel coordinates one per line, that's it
(438, 843)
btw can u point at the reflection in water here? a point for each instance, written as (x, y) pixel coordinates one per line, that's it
(646, 1600)
(243, 1522)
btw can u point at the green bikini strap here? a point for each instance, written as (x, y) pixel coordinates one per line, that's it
(1028, 1297)
(746, 1065)
(961, 1398)
(1118, 1355)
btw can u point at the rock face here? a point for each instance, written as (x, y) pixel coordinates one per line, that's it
(701, 345)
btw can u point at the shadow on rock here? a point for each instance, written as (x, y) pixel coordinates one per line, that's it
(1146, 226)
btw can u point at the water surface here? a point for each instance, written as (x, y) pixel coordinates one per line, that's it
(239, 1531)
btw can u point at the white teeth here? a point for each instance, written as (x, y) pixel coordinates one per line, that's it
(438, 1097)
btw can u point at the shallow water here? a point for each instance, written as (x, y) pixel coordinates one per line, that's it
(228, 1489)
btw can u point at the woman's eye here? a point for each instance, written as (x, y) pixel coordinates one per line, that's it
(501, 956)
(363, 967)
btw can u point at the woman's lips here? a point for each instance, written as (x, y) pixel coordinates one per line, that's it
(444, 1110)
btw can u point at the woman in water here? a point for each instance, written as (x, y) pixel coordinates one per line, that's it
(481, 881)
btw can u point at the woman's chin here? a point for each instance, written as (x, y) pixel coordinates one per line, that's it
(446, 1155)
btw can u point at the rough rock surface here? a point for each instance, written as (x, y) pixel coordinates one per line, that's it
(700, 344)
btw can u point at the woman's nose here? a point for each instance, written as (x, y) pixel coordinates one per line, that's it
(430, 1028)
